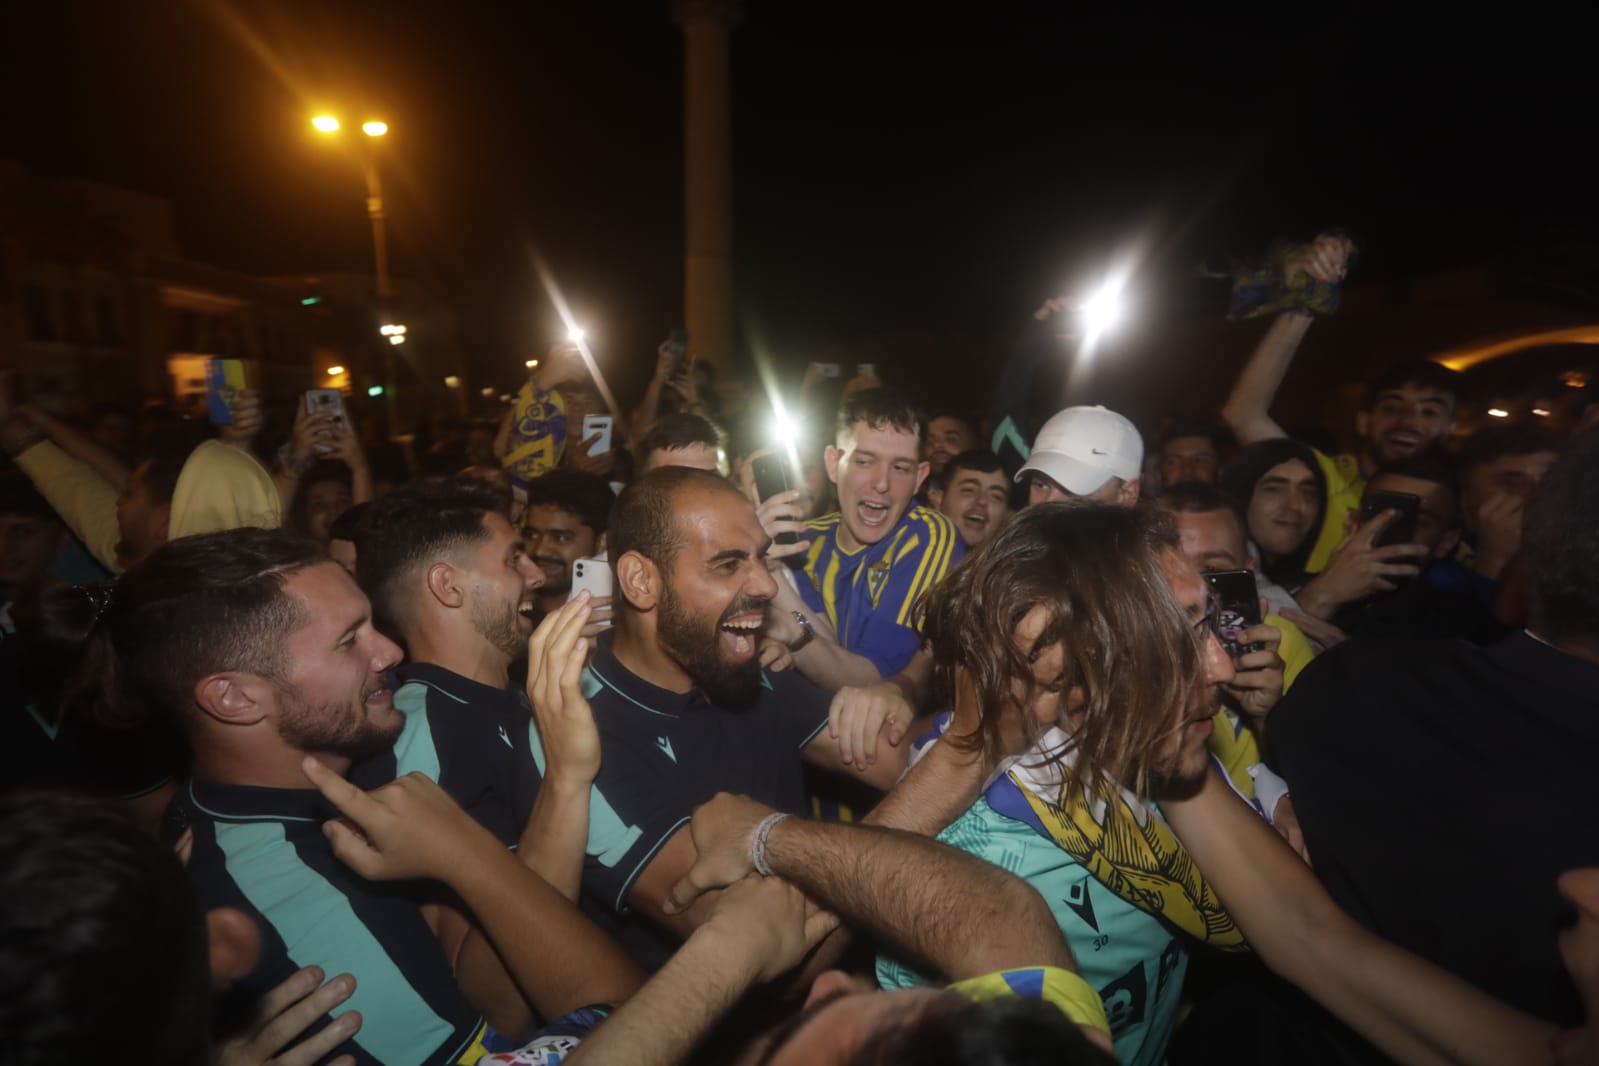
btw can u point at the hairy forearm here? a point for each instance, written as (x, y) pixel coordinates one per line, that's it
(664, 1020)
(934, 792)
(1248, 408)
(1409, 1008)
(553, 841)
(559, 959)
(957, 912)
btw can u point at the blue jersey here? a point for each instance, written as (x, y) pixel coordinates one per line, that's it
(872, 596)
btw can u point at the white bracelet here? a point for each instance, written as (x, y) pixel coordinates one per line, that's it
(758, 843)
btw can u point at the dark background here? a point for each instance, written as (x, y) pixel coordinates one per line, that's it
(913, 180)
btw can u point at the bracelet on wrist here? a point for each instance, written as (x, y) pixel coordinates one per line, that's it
(758, 843)
(807, 634)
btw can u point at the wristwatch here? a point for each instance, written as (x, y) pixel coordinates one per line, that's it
(807, 634)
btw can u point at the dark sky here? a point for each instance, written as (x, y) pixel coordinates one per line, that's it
(896, 172)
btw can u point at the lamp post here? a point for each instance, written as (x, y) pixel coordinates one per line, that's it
(373, 130)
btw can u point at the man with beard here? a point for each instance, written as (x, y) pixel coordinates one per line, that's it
(261, 650)
(1409, 408)
(683, 706)
(451, 579)
(567, 515)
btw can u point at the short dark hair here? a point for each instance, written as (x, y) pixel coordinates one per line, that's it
(196, 606)
(878, 408)
(414, 526)
(588, 496)
(1420, 373)
(1196, 497)
(1010, 1031)
(680, 429)
(980, 460)
(1494, 442)
(1561, 545)
(645, 520)
(960, 416)
(1430, 464)
(1195, 426)
(102, 943)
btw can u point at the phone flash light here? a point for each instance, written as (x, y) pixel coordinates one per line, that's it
(575, 335)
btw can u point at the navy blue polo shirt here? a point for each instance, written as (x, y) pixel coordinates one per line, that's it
(478, 742)
(262, 851)
(662, 754)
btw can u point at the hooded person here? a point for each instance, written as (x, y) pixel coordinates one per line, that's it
(223, 487)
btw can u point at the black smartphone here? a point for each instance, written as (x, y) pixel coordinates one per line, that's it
(771, 477)
(677, 344)
(1237, 607)
(1403, 529)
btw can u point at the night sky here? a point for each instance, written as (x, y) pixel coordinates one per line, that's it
(897, 173)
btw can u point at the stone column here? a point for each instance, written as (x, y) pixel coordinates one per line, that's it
(707, 176)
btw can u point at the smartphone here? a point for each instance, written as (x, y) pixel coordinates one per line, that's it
(329, 401)
(600, 424)
(1237, 607)
(593, 574)
(677, 344)
(828, 370)
(1403, 529)
(771, 477)
(224, 380)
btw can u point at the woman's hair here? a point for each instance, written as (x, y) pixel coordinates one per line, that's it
(1244, 473)
(1130, 652)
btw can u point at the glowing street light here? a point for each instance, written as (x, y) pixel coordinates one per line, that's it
(335, 371)
(375, 129)
(452, 382)
(1541, 412)
(575, 335)
(1498, 412)
(531, 363)
(394, 331)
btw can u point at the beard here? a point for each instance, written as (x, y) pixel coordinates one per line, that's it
(336, 728)
(500, 623)
(1181, 766)
(695, 643)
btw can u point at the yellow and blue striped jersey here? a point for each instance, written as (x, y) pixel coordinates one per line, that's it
(873, 596)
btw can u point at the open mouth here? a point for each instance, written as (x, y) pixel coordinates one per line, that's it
(379, 697)
(873, 515)
(976, 519)
(740, 631)
(525, 608)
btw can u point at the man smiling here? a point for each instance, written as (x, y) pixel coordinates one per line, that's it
(683, 707)
(975, 496)
(871, 562)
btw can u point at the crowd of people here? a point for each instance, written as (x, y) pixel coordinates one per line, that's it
(932, 738)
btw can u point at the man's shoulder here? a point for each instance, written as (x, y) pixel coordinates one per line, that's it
(923, 519)
(826, 523)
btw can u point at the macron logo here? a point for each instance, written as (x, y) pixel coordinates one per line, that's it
(666, 746)
(506, 737)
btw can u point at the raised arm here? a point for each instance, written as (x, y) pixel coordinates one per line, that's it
(965, 916)
(1409, 1008)
(410, 828)
(108, 465)
(1247, 410)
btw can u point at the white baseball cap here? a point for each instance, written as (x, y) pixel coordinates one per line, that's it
(1081, 448)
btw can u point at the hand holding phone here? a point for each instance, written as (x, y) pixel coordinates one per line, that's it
(1237, 606)
(598, 426)
(591, 575)
(1401, 530)
(772, 477)
(224, 382)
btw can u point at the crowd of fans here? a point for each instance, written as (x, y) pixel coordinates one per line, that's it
(567, 740)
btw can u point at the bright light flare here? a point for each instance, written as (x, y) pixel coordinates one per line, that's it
(575, 335)
(531, 364)
(374, 129)
(335, 371)
(1498, 412)
(452, 382)
(488, 390)
(1541, 412)
(1103, 310)
(326, 124)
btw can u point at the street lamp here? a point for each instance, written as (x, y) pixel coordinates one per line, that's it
(380, 248)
